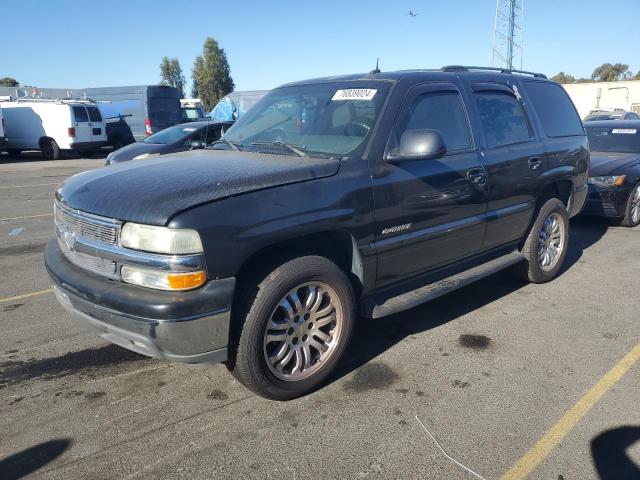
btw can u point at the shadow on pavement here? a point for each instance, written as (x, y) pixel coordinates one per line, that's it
(21, 464)
(609, 453)
(374, 336)
(36, 156)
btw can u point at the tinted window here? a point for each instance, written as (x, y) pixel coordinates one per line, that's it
(94, 114)
(441, 111)
(619, 139)
(554, 108)
(81, 114)
(171, 135)
(164, 111)
(503, 119)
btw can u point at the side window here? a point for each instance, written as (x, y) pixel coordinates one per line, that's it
(94, 114)
(503, 119)
(80, 114)
(442, 111)
(554, 108)
(213, 133)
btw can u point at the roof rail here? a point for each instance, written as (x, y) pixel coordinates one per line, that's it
(55, 100)
(465, 68)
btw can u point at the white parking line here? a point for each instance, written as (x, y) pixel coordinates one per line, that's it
(27, 186)
(28, 216)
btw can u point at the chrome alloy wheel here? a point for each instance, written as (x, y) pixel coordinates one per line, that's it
(551, 241)
(635, 205)
(303, 331)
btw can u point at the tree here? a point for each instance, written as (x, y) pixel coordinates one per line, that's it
(9, 82)
(637, 77)
(563, 78)
(171, 73)
(211, 74)
(611, 73)
(198, 68)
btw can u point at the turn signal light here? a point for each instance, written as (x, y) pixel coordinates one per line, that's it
(620, 180)
(184, 281)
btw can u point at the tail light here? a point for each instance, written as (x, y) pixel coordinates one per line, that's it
(71, 131)
(147, 126)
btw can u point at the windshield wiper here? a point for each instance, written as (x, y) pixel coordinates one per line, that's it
(297, 149)
(233, 145)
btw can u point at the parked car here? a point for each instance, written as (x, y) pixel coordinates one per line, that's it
(3, 138)
(53, 126)
(179, 138)
(147, 109)
(366, 193)
(614, 175)
(616, 114)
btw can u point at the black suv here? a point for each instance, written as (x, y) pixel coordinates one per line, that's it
(364, 194)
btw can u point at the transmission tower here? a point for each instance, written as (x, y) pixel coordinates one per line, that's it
(508, 35)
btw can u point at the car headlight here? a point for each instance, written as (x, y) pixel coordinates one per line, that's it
(607, 181)
(173, 241)
(146, 277)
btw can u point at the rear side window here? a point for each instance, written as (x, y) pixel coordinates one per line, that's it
(503, 119)
(441, 111)
(94, 114)
(80, 114)
(555, 110)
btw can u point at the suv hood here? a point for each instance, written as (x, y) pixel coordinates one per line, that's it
(611, 163)
(153, 190)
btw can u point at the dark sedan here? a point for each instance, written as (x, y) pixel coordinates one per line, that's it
(186, 136)
(614, 175)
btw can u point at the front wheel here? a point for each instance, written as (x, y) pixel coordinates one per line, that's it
(545, 247)
(296, 328)
(632, 213)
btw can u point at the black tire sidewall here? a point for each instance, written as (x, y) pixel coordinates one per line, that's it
(535, 272)
(250, 365)
(626, 221)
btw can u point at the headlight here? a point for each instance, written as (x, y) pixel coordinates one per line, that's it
(174, 241)
(607, 181)
(162, 280)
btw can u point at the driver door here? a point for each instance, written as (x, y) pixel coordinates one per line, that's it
(430, 212)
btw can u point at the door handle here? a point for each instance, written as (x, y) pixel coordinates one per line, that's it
(477, 176)
(535, 163)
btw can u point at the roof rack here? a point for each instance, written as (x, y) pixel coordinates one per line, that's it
(465, 68)
(59, 101)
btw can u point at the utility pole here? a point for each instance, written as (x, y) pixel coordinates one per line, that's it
(508, 35)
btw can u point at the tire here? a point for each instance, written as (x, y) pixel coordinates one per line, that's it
(632, 212)
(537, 267)
(260, 358)
(50, 149)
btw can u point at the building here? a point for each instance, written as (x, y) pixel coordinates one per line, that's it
(590, 96)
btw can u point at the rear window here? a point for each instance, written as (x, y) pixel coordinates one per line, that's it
(164, 111)
(80, 114)
(620, 139)
(94, 114)
(555, 110)
(503, 119)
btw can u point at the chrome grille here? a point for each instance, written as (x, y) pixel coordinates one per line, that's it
(97, 265)
(84, 225)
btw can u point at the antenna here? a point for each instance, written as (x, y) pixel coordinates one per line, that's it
(508, 34)
(375, 70)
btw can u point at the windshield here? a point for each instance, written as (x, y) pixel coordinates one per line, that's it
(170, 135)
(323, 119)
(614, 139)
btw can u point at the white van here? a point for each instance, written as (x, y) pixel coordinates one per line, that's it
(53, 126)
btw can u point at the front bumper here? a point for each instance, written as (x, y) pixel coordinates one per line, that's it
(608, 202)
(186, 327)
(87, 146)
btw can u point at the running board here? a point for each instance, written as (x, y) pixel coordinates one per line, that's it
(434, 290)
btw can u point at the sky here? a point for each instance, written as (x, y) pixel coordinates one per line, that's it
(73, 44)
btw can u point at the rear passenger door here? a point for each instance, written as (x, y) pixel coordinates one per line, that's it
(98, 133)
(81, 124)
(430, 212)
(513, 157)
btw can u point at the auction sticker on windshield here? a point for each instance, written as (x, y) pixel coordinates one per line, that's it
(355, 94)
(629, 131)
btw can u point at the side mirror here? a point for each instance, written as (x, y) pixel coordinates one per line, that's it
(196, 145)
(418, 145)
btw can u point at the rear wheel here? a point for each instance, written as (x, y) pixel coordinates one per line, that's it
(632, 213)
(49, 149)
(296, 328)
(546, 245)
